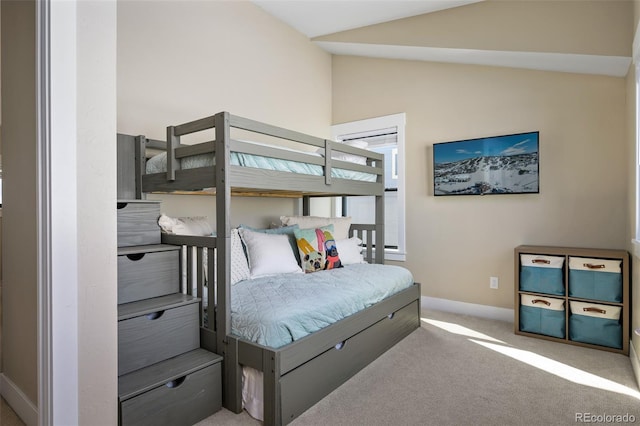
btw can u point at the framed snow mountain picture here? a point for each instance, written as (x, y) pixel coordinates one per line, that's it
(493, 165)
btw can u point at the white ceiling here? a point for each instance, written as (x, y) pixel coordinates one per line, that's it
(320, 17)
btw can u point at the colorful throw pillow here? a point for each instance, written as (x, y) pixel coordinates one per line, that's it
(318, 250)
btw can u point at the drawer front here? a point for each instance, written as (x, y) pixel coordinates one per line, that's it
(307, 384)
(146, 275)
(151, 338)
(184, 401)
(138, 223)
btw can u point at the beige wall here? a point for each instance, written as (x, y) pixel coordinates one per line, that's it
(19, 263)
(180, 61)
(454, 244)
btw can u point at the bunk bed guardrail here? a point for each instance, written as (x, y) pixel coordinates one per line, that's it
(307, 154)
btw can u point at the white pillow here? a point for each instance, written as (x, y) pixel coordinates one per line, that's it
(341, 225)
(268, 254)
(350, 157)
(167, 223)
(239, 266)
(197, 225)
(350, 251)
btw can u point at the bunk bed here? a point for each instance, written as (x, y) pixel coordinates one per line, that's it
(298, 374)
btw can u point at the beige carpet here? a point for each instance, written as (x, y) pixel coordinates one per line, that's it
(461, 370)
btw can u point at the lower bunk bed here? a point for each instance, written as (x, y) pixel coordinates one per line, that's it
(296, 337)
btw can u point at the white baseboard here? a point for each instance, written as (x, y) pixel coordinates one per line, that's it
(635, 362)
(464, 308)
(18, 401)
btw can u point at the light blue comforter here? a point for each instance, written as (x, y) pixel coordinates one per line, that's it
(277, 310)
(158, 164)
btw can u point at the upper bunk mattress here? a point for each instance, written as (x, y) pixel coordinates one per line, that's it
(277, 310)
(158, 164)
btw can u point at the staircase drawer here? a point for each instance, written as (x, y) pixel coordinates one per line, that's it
(190, 390)
(155, 336)
(138, 223)
(149, 272)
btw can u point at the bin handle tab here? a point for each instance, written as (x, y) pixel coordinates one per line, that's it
(592, 309)
(541, 301)
(593, 266)
(545, 261)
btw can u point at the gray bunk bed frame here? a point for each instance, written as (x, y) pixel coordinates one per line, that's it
(299, 374)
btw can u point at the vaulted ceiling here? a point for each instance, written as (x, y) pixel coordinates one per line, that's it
(592, 37)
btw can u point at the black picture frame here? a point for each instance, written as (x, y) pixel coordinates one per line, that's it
(506, 164)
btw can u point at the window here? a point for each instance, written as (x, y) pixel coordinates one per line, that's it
(384, 135)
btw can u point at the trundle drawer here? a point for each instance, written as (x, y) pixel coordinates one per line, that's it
(156, 333)
(138, 223)
(149, 271)
(318, 377)
(179, 391)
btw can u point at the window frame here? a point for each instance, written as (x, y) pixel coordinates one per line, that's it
(384, 122)
(635, 242)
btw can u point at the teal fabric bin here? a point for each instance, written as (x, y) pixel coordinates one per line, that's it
(542, 274)
(542, 315)
(595, 324)
(595, 279)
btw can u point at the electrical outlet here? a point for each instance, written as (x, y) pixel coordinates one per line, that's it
(493, 282)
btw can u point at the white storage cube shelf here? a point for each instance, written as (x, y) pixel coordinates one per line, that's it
(573, 295)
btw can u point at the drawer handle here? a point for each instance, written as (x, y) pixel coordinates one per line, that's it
(592, 266)
(340, 345)
(135, 256)
(175, 383)
(545, 261)
(391, 315)
(540, 301)
(122, 205)
(597, 310)
(154, 315)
